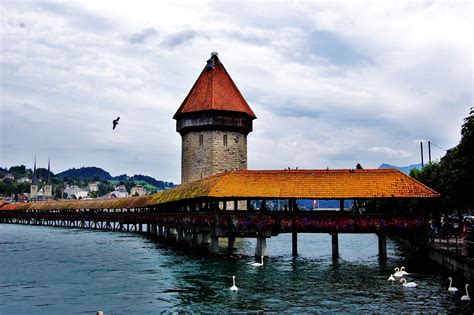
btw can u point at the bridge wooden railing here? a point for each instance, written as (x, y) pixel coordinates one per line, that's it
(235, 221)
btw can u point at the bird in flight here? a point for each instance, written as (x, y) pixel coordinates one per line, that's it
(115, 122)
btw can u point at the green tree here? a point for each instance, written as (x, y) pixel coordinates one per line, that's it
(105, 187)
(18, 170)
(453, 175)
(42, 174)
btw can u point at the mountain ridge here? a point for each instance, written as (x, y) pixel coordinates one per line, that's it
(403, 169)
(97, 173)
(89, 172)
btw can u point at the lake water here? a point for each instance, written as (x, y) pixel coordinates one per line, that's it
(46, 270)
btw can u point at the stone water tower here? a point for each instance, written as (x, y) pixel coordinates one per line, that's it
(214, 121)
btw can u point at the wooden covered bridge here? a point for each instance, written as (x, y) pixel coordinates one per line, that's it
(200, 212)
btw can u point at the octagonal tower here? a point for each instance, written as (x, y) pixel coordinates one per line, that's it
(214, 121)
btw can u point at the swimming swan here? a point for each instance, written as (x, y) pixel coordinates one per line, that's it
(450, 288)
(397, 273)
(391, 278)
(408, 284)
(233, 288)
(403, 272)
(256, 264)
(466, 297)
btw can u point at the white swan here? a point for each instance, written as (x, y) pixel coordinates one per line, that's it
(256, 264)
(466, 297)
(408, 284)
(391, 278)
(397, 273)
(233, 287)
(450, 288)
(403, 272)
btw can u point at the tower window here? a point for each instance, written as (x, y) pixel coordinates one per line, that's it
(225, 140)
(201, 140)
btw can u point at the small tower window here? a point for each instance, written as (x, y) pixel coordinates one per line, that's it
(225, 140)
(201, 140)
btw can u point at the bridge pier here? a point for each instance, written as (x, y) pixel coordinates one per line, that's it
(382, 246)
(214, 248)
(335, 246)
(294, 244)
(230, 244)
(153, 229)
(160, 229)
(173, 234)
(188, 238)
(206, 239)
(180, 236)
(196, 240)
(261, 247)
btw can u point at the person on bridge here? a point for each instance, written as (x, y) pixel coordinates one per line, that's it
(432, 228)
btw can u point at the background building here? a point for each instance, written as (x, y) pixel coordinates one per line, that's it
(94, 187)
(75, 192)
(46, 192)
(138, 190)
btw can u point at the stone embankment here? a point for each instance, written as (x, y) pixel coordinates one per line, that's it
(452, 255)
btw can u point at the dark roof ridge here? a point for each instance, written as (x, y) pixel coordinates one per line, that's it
(349, 170)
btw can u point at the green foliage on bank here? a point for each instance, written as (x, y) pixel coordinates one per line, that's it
(74, 177)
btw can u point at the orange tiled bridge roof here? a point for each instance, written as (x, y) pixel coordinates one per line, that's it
(305, 184)
(300, 184)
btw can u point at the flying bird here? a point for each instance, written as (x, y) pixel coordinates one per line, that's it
(115, 122)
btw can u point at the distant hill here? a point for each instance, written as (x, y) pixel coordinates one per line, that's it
(121, 177)
(85, 173)
(150, 180)
(96, 173)
(403, 169)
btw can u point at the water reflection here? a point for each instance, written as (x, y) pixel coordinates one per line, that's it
(53, 270)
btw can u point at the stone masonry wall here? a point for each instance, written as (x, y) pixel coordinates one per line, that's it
(48, 191)
(213, 156)
(33, 190)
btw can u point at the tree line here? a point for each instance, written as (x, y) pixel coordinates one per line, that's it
(18, 185)
(453, 175)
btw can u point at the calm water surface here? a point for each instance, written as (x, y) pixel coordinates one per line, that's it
(71, 271)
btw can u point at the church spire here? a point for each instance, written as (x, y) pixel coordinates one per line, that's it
(34, 184)
(35, 181)
(49, 172)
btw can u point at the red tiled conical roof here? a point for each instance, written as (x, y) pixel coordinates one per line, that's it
(214, 90)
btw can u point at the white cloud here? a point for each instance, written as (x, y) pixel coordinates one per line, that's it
(390, 153)
(332, 84)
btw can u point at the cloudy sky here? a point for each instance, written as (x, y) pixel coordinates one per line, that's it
(333, 84)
